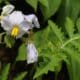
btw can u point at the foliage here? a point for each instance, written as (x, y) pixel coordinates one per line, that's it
(9, 41)
(5, 72)
(48, 7)
(64, 48)
(20, 76)
(54, 43)
(21, 56)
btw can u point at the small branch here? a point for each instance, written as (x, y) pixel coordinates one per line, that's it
(70, 40)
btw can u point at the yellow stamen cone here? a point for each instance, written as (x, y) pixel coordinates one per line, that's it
(15, 31)
(1, 18)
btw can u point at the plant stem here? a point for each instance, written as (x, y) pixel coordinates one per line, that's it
(70, 40)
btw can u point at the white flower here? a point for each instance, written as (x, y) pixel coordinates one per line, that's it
(16, 24)
(7, 9)
(32, 53)
(32, 19)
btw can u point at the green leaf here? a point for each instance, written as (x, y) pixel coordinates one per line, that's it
(1, 1)
(74, 63)
(1, 36)
(56, 31)
(72, 53)
(44, 3)
(21, 53)
(21, 76)
(33, 3)
(76, 44)
(51, 8)
(9, 41)
(5, 72)
(39, 37)
(50, 66)
(75, 9)
(78, 24)
(69, 26)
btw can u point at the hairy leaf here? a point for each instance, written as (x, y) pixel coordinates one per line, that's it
(50, 66)
(56, 31)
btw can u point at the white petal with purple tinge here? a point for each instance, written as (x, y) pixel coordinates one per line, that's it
(32, 53)
(16, 17)
(33, 20)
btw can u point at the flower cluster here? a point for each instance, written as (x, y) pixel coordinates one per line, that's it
(16, 24)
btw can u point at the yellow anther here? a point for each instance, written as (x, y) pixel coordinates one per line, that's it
(15, 31)
(1, 18)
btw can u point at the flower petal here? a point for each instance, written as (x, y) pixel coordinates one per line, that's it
(33, 20)
(25, 26)
(5, 24)
(7, 9)
(32, 54)
(16, 17)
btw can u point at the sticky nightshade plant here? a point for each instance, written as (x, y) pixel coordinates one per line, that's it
(16, 23)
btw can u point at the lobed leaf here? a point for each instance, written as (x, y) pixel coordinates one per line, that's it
(50, 66)
(69, 26)
(56, 31)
